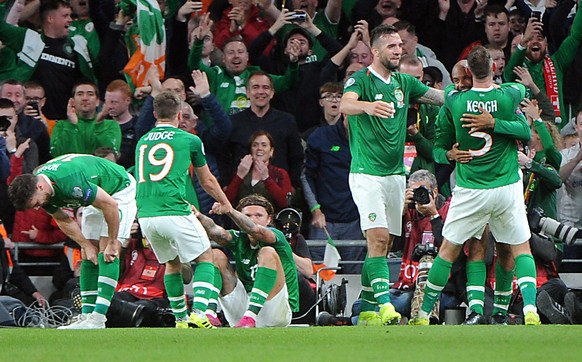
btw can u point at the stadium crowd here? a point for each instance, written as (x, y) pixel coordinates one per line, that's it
(222, 114)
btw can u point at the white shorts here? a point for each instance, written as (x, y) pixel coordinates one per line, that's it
(380, 200)
(172, 236)
(275, 313)
(93, 224)
(503, 208)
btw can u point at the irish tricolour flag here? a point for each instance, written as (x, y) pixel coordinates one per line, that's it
(151, 50)
(331, 258)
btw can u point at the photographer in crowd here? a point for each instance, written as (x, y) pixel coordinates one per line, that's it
(423, 217)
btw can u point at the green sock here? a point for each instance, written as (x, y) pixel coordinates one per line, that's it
(175, 290)
(264, 282)
(202, 285)
(525, 269)
(476, 275)
(217, 286)
(88, 285)
(379, 277)
(107, 282)
(437, 279)
(368, 300)
(503, 289)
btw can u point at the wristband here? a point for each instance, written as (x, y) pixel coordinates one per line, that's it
(315, 207)
(432, 217)
(12, 151)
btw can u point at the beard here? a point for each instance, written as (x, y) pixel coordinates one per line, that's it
(388, 64)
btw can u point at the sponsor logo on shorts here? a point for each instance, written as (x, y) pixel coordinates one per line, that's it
(372, 216)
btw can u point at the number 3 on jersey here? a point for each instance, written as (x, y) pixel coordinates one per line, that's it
(165, 161)
(488, 143)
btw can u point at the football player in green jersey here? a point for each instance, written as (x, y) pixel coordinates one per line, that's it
(489, 188)
(263, 291)
(376, 102)
(163, 159)
(108, 193)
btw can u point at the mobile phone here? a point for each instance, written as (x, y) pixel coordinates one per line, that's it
(537, 15)
(411, 116)
(34, 105)
(4, 123)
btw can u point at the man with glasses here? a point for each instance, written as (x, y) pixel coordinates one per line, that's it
(327, 166)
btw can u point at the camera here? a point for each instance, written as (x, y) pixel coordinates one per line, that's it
(4, 123)
(288, 221)
(421, 250)
(537, 15)
(421, 195)
(541, 224)
(299, 16)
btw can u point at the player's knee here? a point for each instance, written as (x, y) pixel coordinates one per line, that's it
(268, 257)
(220, 259)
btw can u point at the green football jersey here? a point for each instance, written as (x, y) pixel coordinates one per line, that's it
(377, 144)
(245, 256)
(162, 162)
(494, 152)
(75, 178)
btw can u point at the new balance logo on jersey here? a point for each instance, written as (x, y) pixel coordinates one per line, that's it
(489, 106)
(378, 97)
(153, 136)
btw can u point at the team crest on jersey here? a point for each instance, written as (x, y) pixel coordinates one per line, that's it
(67, 48)
(77, 192)
(399, 95)
(350, 82)
(372, 216)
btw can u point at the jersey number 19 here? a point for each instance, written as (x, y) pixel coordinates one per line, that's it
(165, 161)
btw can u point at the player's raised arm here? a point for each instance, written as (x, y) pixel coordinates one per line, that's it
(215, 232)
(247, 225)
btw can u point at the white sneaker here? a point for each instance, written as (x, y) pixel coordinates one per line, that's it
(92, 321)
(81, 318)
(95, 321)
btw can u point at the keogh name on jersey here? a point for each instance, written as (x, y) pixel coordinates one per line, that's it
(489, 106)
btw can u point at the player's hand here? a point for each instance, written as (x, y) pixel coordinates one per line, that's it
(220, 209)
(318, 219)
(111, 251)
(457, 155)
(524, 77)
(522, 159)
(91, 253)
(244, 166)
(478, 122)
(380, 109)
(71, 112)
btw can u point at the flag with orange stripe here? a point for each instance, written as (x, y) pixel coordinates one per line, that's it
(151, 43)
(331, 258)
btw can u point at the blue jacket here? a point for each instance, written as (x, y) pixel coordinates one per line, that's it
(327, 166)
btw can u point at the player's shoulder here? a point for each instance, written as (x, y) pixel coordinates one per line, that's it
(359, 76)
(513, 87)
